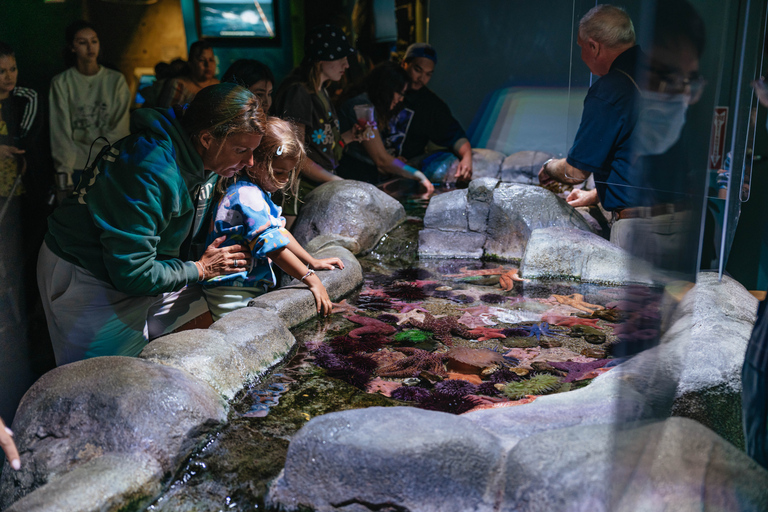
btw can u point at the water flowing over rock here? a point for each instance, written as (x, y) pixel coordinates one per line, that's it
(567, 253)
(120, 405)
(492, 219)
(352, 209)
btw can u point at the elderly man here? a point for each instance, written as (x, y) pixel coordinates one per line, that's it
(602, 145)
(426, 118)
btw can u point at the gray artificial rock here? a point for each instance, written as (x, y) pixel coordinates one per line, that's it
(523, 167)
(295, 304)
(486, 163)
(323, 241)
(604, 401)
(517, 210)
(676, 464)
(568, 253)
(479, 196)
(401, 457)
(447, 212)
(110, 482)
(236, 349)
(434, 243)
(83, 410)
(353, 209)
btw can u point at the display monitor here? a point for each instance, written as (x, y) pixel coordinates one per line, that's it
(237, 19)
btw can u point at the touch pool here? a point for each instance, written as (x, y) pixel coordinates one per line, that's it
(441, 335)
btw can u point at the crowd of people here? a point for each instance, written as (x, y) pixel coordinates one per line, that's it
(175, 212)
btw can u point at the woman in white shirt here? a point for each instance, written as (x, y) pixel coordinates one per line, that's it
(88, 102)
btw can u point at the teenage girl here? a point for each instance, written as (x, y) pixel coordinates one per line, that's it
(87, 101)
(246, 215)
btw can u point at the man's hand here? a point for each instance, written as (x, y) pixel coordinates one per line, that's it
(581, 197)
(544, 176)
(464, 171)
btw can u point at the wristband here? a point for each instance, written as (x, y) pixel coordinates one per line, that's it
(309, 273)
(544, 166)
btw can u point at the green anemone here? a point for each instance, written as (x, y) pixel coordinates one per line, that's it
(537, 385)
(413, 335)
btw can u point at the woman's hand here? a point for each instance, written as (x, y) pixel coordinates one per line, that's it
(354, 134)
(219, 261)
(325, 263)
(10, 151)
(6, 441)
(464, 170)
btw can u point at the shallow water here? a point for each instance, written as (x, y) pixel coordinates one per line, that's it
(232, 471)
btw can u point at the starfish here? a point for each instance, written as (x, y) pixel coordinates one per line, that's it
(417, 361)
(578, 371)
(343, 307)
(487, 333)
(410, 315)
(474, 321)
(385, 387)
(466, 272)
(405, 307)
(442, 327)
(577, 301)
(507, 403)
(369, 326)
(538, 329)
(507, 281)
(568, 321)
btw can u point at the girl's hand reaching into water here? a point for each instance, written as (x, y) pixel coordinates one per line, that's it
(323, 302)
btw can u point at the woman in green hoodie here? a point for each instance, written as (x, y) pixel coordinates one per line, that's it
(116, 269)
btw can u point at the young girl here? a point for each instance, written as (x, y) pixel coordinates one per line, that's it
(246, 215)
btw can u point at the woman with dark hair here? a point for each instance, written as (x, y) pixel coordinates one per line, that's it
(303, 100)
(254, 76)
(116, 269)
(88, 101)
(199, 73)
(384, 89)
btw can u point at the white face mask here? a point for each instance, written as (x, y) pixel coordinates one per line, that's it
(660, 120)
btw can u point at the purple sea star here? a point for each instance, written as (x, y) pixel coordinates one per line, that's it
(576, 371)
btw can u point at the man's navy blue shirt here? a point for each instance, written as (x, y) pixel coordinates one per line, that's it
(602, 145)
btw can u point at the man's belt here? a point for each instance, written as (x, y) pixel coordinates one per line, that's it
(645, 212)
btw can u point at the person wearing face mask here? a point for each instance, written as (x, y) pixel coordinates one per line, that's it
(633, 115)
(303, 100)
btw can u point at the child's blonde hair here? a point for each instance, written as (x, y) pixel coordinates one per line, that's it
(280, 140)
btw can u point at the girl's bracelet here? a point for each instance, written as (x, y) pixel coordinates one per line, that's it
(309, 273)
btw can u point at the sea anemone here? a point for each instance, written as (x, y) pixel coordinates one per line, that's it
(455, 388)
(493, 298)
(410, 393)
(348, 345)
(388, 318)
(536, 385)
(443, 294)
(462, 299)
(502, 376)
(488, 389)
(412, 336)
(512, 332)
(406, 291)
(446, 403)
(431, 287)
(411, 274)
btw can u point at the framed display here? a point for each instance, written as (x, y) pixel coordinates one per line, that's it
(232, 20)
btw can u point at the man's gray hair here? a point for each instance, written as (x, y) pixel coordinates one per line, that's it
(608, 25)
